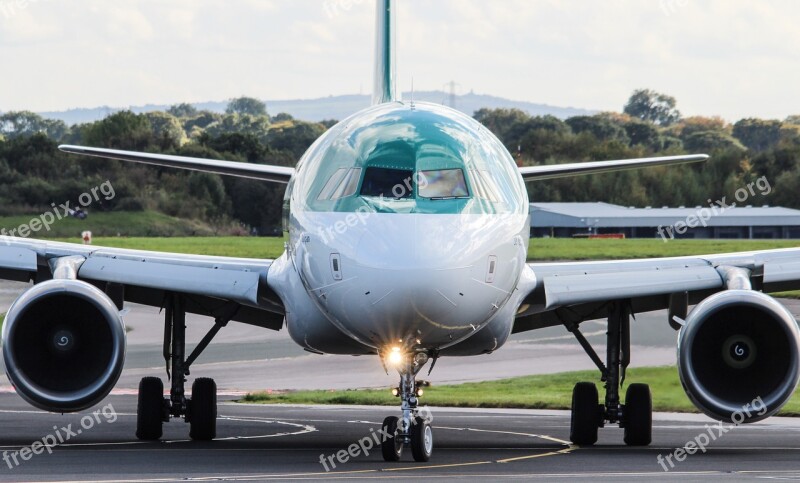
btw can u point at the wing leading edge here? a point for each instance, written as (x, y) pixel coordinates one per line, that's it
(210, 283)
(577, 291)
(550, 171)
(278, 174)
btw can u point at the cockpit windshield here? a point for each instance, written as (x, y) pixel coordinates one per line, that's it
(387, 183)
(395, 158)
(442, 184)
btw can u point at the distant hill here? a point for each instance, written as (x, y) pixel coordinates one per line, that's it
(333, 107)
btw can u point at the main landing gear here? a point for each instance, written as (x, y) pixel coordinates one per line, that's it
(200, 411)
(635, 416)
(412, 428)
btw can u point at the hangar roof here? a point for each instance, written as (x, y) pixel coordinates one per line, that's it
(599, 214)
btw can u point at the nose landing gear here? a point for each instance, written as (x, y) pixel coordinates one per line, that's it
(412, 428)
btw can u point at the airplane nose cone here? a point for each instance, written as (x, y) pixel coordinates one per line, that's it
(423, 278)
(411, 242)
(393, 305)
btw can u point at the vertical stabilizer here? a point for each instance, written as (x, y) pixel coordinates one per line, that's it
(384, 89)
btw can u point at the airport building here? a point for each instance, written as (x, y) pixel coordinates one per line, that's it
(590, 219)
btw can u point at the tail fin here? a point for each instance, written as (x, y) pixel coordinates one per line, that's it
(384, 89)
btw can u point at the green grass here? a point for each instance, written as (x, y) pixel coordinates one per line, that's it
(143, 223)
(543, 249)
(552, 391)
(131, 230)
(230, 246)
(540, 249)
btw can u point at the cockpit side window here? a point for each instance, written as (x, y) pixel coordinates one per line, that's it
(484, 185)
(343, 182)
(442, 184)
(332, 184)
(348, 185)
(387, 183)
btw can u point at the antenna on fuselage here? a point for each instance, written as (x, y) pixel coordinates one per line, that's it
(385, 75)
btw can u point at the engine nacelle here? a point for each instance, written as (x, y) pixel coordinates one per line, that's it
(738, 353)
(63, 345)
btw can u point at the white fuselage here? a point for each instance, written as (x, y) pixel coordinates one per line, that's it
(363, 272)
(433, 278)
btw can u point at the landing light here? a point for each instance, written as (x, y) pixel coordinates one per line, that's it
(395, 357)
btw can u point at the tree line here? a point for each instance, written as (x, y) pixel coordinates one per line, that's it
(651, 125)
(35, 174)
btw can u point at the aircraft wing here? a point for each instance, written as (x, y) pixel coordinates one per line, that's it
(562, 292)
(211, 284)
(278, 174)
(550, 171)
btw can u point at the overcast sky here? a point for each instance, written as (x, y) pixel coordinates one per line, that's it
(732, 58)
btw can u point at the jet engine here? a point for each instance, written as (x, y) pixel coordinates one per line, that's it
(63, 345)
(738, 355)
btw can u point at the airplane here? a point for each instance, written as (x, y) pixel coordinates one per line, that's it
(406, 228)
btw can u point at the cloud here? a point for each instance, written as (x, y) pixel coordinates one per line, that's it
(734, 58)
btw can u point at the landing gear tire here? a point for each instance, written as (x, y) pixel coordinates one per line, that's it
(203, 410)
(638, 415)
(150, 409)
(391, 446)
(585, 414)
(421, 439)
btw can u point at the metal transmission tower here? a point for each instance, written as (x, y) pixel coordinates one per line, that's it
(451, 87)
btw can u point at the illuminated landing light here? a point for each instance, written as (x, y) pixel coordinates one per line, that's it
(395, 357)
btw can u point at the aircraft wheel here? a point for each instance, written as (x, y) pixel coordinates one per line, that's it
(391, 446)
(421, 439)
(638, 415)
(150, 409)
(203, 410)
(585, 414)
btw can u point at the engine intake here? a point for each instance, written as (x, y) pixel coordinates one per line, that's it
(738, 353)
(63, 345)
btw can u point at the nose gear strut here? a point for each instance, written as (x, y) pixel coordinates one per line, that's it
(412, 428)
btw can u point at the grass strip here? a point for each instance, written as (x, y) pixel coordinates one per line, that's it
(547, 391)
